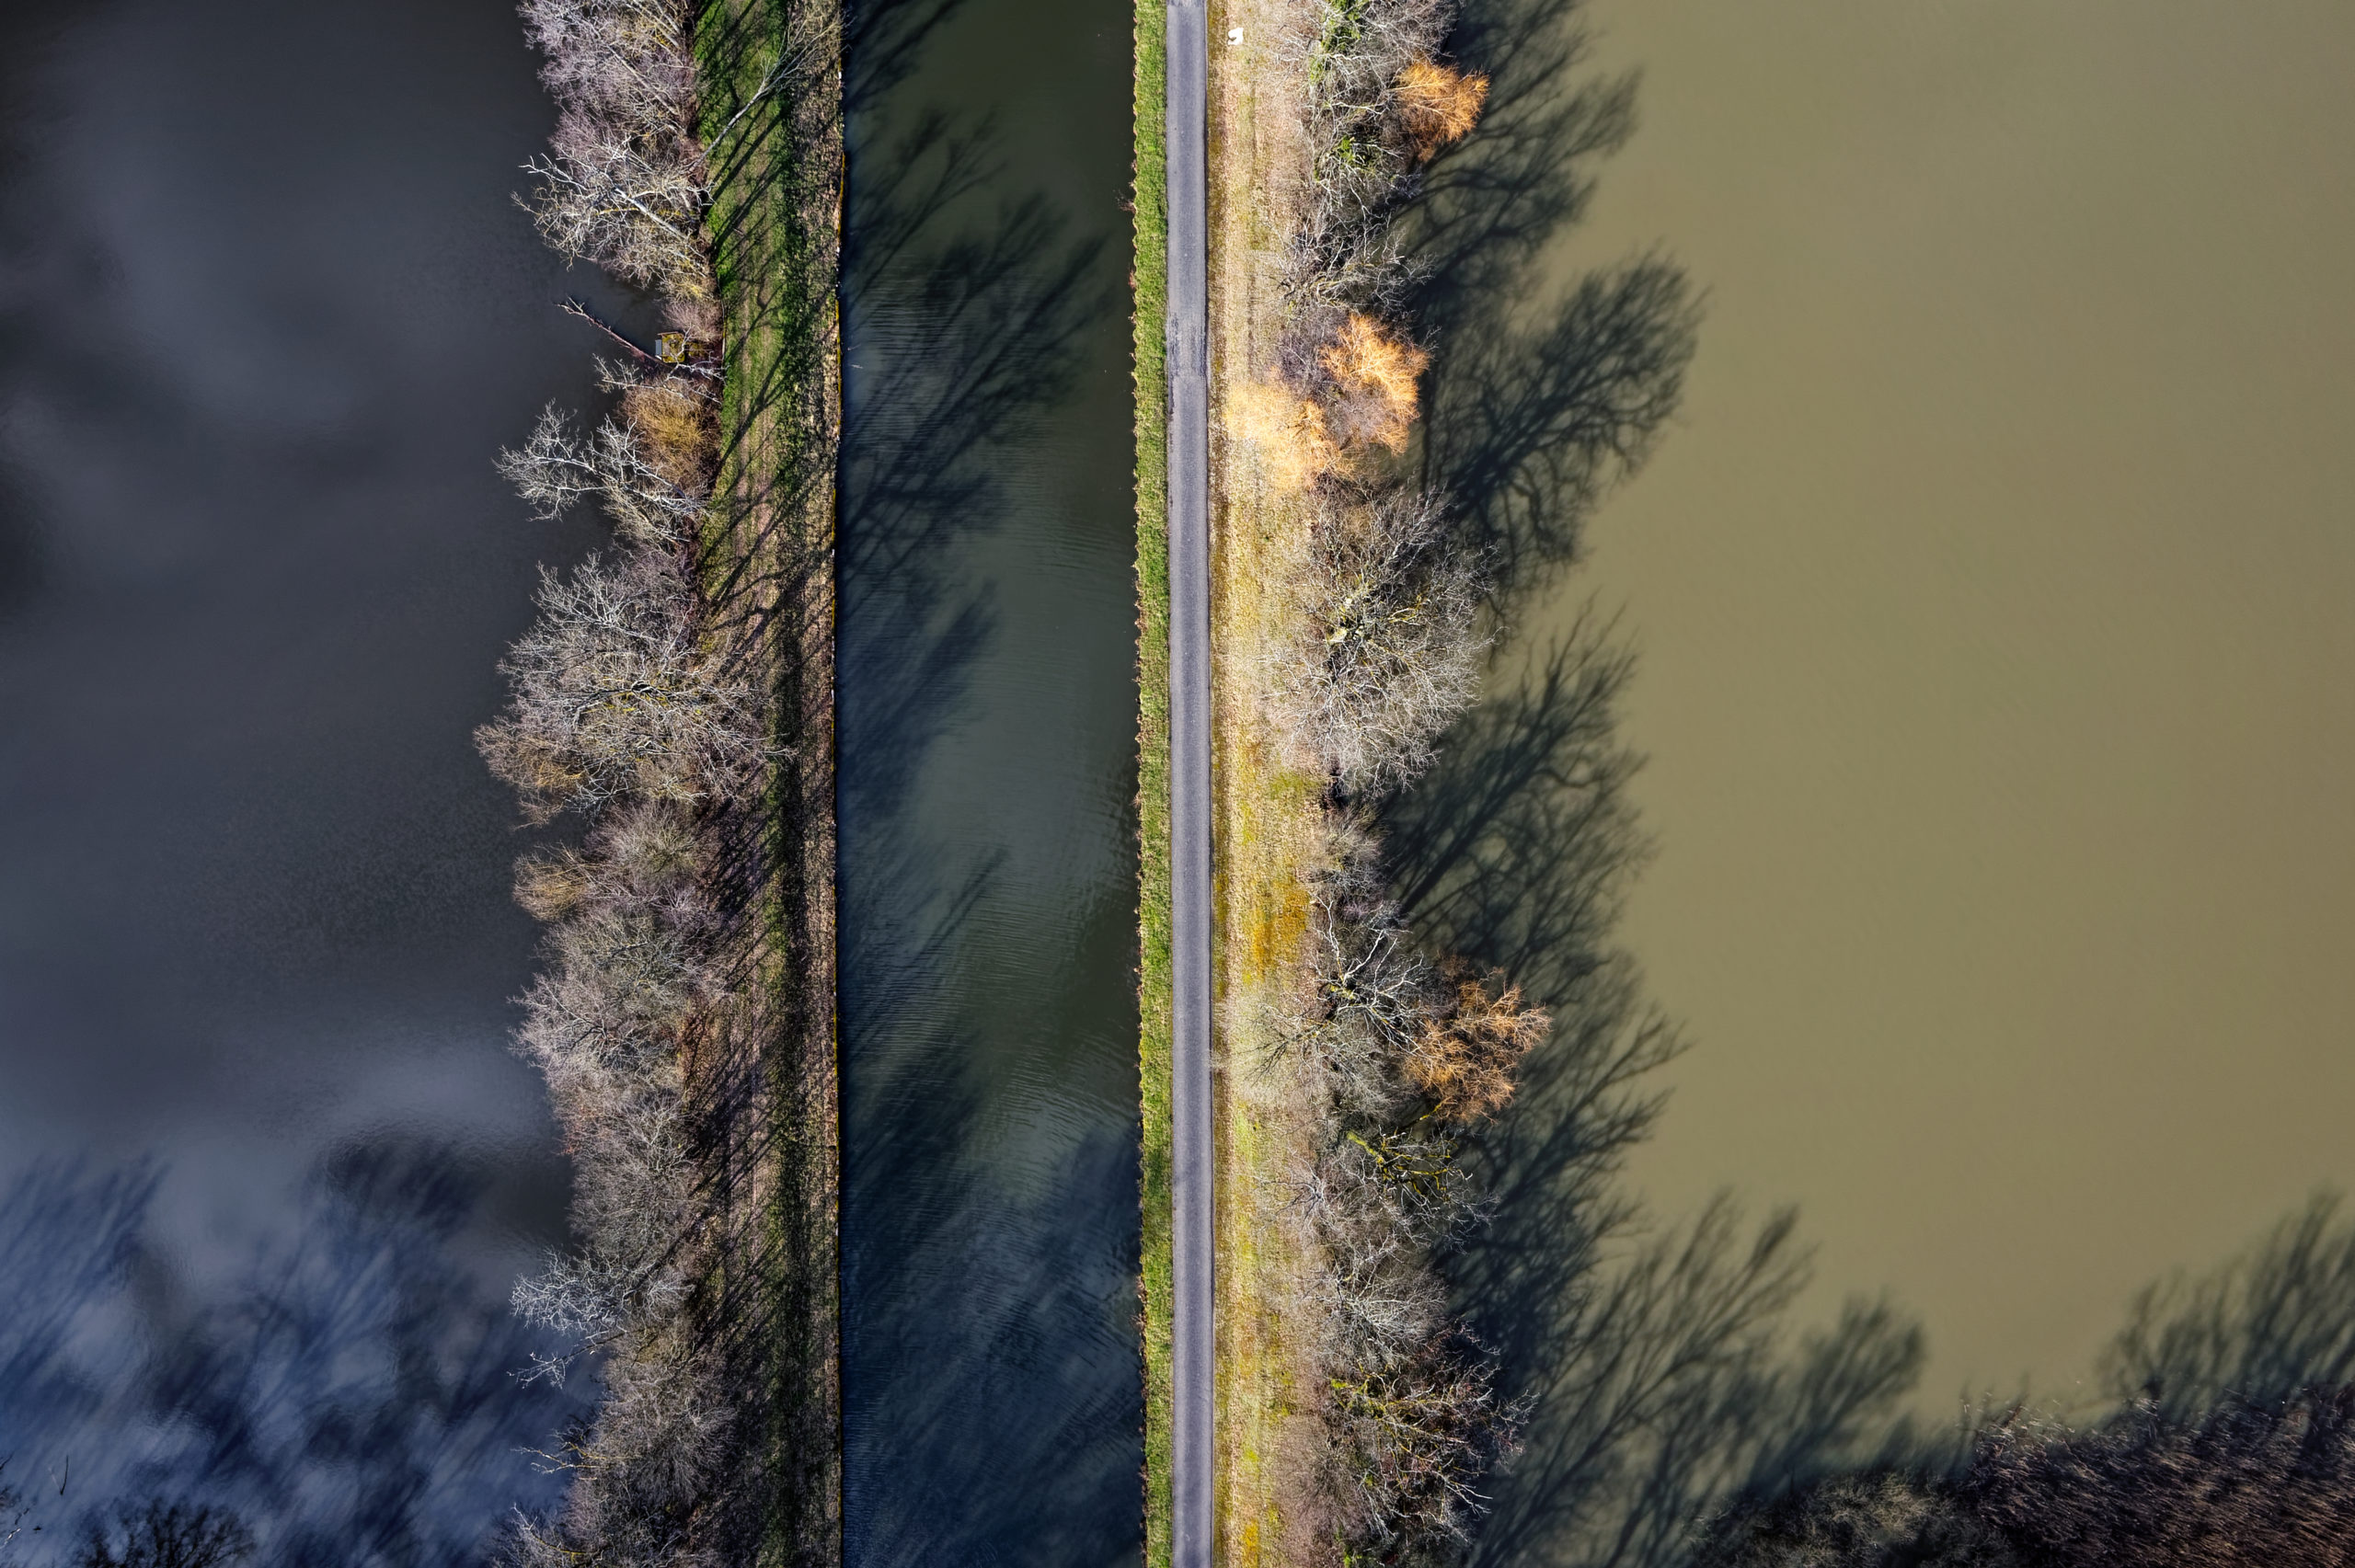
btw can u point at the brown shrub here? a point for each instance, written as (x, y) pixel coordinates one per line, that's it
(1466, 1059)
(675, 430)
(1438, 106)
(550, 885)
(1288, 430)
(1374, 374)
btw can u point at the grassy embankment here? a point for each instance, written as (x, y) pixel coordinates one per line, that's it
(775, 148)
(1263, 814)
(1266, 818)
(1149, 285)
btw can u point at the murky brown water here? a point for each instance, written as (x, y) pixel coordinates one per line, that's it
(1994, 602)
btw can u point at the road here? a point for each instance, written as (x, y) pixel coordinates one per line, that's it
(1194, 1353)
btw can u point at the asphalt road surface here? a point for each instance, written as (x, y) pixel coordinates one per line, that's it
(1189, 788)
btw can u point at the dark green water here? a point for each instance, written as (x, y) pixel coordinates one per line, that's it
(991, 1371)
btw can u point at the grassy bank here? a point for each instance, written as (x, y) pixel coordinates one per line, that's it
(1265, 817)
(1149, 286)
(775, 151)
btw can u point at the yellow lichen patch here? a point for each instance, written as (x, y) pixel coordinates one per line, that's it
(1438, 106)
(1295, 449)
(1375, 373)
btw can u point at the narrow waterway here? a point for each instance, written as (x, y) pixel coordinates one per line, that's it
(268, 1168)
(991, 1378)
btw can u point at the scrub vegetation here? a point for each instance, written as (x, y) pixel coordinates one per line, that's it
(1361, 588)
(673, 698)
(1398, 1057)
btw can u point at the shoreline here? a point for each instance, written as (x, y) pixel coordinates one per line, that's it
(679, 700)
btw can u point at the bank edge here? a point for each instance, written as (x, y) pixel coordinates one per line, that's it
(1149, 290)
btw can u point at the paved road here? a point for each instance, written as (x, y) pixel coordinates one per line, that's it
(1189, 787)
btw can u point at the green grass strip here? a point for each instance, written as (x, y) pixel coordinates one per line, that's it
(773, 161)
(1150, 290)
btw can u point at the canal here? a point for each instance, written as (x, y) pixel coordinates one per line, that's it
(992, 1378)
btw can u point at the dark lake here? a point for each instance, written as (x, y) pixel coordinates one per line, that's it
(268, 1168)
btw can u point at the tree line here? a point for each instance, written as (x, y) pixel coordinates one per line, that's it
(629, 712)
(1407, 1053)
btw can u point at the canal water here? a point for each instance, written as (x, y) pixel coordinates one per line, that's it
(268, 1168)
(1991, 597)
(990, 1377)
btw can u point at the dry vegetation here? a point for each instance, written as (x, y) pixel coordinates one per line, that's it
(626, 711)
(642, 709)
(2247, 1482)
(1392, 1056)
(2229, 1439)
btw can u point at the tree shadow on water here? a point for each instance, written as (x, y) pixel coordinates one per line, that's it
(2260, 1327)
(964, 317)
(350, 1393)
(1655, 1363)
(980, 1421)
(1540, 398)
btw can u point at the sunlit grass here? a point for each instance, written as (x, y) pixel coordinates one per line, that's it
(1149, 282)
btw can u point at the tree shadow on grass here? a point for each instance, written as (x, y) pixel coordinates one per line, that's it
(842, 560)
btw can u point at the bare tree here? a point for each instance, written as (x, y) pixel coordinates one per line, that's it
(629, 62)
(634, 210)
(1417, 1432)
(1390, 647)
(645, 494)
(626, 186)
(614, 695)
